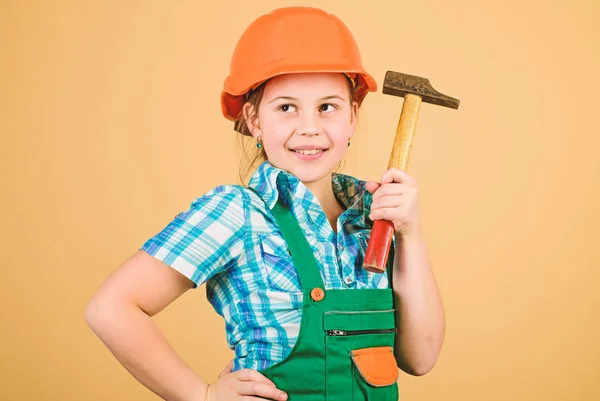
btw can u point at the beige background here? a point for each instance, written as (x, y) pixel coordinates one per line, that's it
(110, 126)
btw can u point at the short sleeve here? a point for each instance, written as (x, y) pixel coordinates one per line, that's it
(206, 239)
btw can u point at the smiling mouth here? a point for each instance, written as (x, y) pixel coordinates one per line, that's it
(308, 151)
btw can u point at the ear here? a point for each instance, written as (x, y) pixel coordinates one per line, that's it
(354, 112)
(251, 117)
(353, 116)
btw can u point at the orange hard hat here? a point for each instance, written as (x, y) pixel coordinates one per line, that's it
(292, 40)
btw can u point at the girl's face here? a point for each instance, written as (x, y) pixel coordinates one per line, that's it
(305, 122)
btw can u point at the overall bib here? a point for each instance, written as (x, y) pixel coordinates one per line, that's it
(344, 351)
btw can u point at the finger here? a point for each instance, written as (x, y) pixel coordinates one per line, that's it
(393, 188)
(253, 375)
(387, 201)
(227, 369)
(397, 175)
(261, 390)
(386, 213)
(372, 186)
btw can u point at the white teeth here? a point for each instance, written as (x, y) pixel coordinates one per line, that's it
(308, 152)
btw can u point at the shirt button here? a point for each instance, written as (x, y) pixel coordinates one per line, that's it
(340, 247)
(348, 280)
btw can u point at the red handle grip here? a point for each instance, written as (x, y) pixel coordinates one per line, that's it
(379, 246)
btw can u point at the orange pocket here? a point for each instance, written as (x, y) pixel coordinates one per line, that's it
(377, 365)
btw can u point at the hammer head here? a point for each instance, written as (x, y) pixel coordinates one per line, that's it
(398, 84)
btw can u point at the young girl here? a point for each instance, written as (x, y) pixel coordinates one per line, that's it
(282, 257)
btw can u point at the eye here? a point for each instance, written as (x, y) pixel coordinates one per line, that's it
(327, 107)
(287, 107)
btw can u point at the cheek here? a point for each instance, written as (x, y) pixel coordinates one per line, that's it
(275, 136)
(339, 130)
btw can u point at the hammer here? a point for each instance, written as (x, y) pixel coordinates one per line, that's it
(414, 90)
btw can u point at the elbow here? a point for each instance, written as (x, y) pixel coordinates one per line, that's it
(99, 313)
(93, 313)
(418, 369)
(104, 313)
(419, 358)
(418, 365)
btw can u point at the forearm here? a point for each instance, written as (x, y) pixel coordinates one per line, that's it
(137, 343)
(419, 309)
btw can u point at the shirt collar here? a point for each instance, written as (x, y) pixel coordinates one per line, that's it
(272, 182)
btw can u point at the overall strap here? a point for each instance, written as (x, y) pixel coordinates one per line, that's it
(305, 262)
(302, 254)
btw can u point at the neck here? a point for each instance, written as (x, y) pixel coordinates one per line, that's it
(323, 191)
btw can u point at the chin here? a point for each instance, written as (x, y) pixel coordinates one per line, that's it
(310, 175)
(307, 172)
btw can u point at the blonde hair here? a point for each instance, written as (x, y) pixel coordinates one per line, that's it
(254, 156)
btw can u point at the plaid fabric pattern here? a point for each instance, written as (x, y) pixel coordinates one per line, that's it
(229, 240)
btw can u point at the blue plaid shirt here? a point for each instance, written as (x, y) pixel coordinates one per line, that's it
(228, 239)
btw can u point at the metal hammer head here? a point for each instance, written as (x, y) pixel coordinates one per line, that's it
(398, 84)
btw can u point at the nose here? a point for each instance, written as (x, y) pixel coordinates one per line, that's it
(309, 124)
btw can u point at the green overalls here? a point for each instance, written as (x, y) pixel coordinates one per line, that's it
(344, 351)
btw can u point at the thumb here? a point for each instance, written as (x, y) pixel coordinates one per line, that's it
(227, 369)
(372, 186)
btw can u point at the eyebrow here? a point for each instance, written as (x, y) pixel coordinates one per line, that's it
(294, 99)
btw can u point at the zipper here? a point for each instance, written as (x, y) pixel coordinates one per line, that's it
(358, 312)
(337, 333)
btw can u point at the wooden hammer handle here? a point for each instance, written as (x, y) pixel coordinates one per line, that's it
(383, 230)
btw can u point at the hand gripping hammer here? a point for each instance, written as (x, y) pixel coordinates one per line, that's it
(415, 90)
